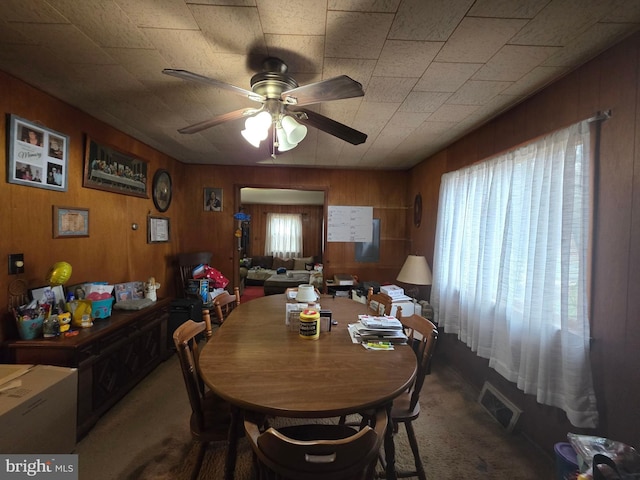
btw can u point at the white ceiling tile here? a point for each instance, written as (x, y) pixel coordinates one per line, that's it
(476, 40)
(384, 6)
(424, 101)
(507, 8)
(308, 51)
(452, 113)
(69, 43)
(561, 21)
(388, 89)
(408, 120)
(293, 17)
(534, 80)
(356, 35)
(229, 29)
(477, 92)
(35, 11)
(11, 34)
(359, 70)
(512, 62)
(402, 58)
(431, 20)
(446, 77)
(228, 40)
(159, 13)
(103, 21)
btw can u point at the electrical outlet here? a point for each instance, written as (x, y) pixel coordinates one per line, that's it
(16, 263)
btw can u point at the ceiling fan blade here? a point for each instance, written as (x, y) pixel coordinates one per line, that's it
(331, 127)
(186, 75)
(212, 122)
(336, 88)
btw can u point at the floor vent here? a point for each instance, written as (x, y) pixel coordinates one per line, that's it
(499, 407)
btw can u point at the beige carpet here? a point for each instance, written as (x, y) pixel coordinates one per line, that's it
(458, 440)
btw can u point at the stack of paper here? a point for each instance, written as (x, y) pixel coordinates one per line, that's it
(395, 292)
(377, 328)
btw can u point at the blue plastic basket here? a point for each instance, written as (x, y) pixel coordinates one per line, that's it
(30, 329)
(101, 308)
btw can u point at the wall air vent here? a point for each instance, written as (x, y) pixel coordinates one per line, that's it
(499, 407)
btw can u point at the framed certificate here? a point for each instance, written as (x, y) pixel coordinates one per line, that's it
(158, 229)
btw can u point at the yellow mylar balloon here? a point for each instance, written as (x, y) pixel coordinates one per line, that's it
(59, 273)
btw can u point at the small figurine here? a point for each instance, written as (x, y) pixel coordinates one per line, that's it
(150, 288)
(65, 321)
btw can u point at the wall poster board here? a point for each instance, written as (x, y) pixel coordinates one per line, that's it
(370, 251)
(349, 224)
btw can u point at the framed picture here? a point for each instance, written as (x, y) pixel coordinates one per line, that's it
(38, 156)
(106, 168)
(212, 199)
(48, 294)
(69, 222)
(158, 229)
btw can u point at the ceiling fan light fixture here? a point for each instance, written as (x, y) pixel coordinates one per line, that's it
(250, 136)
(295, 132)
(283, 143)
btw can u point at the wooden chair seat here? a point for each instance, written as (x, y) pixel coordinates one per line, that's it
(317, 451)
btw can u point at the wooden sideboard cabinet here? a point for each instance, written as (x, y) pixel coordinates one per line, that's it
(112, 356)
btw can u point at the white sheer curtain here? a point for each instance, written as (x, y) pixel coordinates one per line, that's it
(510, 273)
(284, 235)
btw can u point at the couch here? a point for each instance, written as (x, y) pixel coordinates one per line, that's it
(260, 268)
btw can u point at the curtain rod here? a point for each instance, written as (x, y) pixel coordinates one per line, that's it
(600, 116)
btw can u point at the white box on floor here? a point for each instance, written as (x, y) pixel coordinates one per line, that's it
(38, 409)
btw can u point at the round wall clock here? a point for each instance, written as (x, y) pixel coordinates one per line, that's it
(417, 210)
(162, 190)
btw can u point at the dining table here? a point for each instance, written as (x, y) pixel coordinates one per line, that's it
(257, 363)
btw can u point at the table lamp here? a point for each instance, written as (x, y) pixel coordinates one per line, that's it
(415, 271)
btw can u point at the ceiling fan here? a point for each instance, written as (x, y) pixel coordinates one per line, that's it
(283, 100)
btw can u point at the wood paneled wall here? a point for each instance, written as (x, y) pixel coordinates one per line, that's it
(114, 252)
(610, 81)
(312, 222)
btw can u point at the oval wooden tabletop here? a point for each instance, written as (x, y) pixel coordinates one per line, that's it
(255, 362)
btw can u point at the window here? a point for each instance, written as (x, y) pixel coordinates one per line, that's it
(510, 274)
(284, 235)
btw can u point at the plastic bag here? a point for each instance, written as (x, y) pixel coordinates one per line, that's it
(624, 457)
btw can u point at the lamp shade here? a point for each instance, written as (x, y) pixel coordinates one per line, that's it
(295, 132)
(415, 271)
(283, 142)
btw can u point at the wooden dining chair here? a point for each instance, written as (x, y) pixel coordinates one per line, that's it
(379, 302)
(317, 451)
(211, 417)
(423, 336)
(224, 304)
(186, 263)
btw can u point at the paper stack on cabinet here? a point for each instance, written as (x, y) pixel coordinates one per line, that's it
(396, 293)
(342, 279)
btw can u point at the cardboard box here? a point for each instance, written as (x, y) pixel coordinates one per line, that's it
(38, 408)
(343, 279)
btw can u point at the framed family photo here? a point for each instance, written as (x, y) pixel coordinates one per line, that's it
(106, 168)
(212, 199)
(38, 156)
